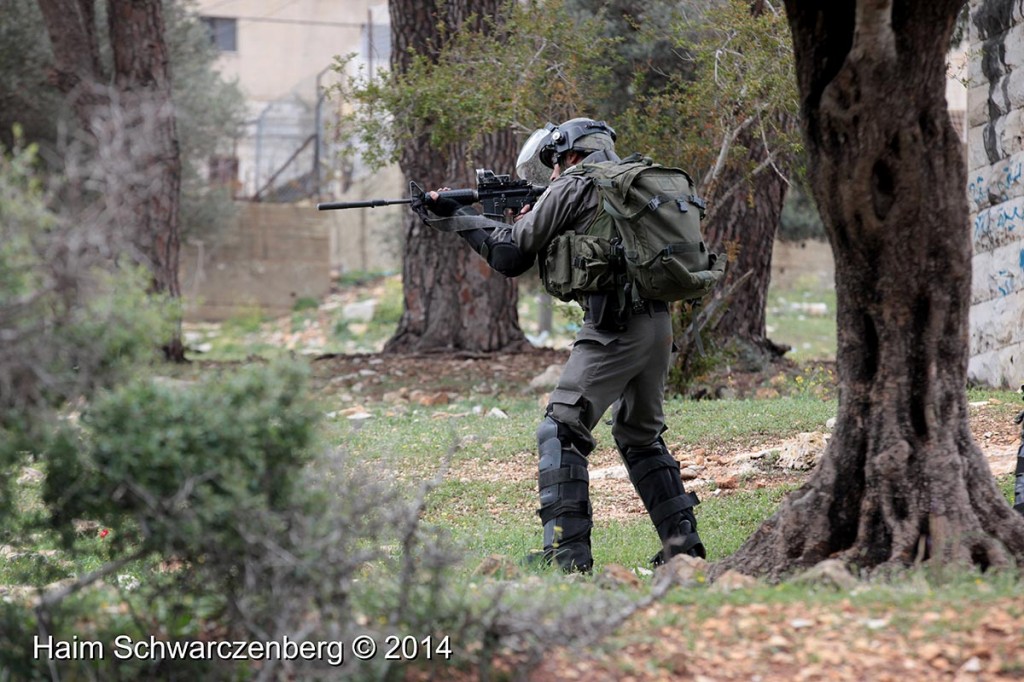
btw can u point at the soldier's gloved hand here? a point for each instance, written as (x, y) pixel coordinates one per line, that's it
(441, 206)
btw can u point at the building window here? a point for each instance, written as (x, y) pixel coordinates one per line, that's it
(223, 32)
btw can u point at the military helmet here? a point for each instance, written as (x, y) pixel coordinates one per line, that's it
(578, 134)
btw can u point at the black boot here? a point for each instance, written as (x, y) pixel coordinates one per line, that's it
(564, 486)
(655, 475)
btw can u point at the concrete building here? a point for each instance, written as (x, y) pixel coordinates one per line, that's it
(283, 55)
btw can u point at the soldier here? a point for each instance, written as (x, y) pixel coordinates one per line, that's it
(620, 357)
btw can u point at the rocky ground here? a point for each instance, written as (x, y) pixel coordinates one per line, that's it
(803, 640)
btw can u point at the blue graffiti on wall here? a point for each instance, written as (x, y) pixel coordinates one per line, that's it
(981, 191)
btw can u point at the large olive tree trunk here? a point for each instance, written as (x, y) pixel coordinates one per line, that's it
(129, 116)
(902, 479)
(453, 300)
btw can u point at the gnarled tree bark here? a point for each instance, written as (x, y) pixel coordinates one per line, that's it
(902, 479)
(453, 300)
(129, 114)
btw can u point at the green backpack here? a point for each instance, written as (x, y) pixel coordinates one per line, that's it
(646, 235)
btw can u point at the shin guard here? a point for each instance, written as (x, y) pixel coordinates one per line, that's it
(564, 486)
(655, 475)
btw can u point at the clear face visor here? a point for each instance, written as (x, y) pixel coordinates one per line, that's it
(529, 166)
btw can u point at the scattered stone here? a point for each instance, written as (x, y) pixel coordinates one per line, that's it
(128, 582)
(831, 572)
(726, 393)
(360, 311)
(497, 566)
(972, 665)
(398, 396)
(830, 423)
(614, 575)
(727, 483)
(29, 475)
(683, 570)
(546, 380)
(811, 309)
(688, 473)
(803, 452)
(21, 594)
(355, 411)
(733, 580)
(497, 413)
(429, 399)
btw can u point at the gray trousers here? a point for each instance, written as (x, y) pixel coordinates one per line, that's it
(626, 368)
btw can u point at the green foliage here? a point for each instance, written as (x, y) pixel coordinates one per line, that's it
(741, 82)
(800, 218)
(209, 111)
(517, 73)
(190, 466)
(391, 305)
(305, 303)
(209, 116)
(645, 57)
(26, 99)
(72, 323)
(802, 315)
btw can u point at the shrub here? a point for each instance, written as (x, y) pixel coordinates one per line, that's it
(192, 466)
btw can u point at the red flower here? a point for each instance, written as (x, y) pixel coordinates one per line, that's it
(104, 533)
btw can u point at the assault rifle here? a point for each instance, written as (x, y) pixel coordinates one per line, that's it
(498, 194)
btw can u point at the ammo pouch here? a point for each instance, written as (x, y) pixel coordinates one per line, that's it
(580, 264)
(608, 312)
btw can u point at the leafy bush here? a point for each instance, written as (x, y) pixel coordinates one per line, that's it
(190, 465)
(73, 321)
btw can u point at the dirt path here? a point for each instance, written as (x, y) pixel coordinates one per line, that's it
(839, 639)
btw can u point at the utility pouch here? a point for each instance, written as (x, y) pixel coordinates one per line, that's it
(577, 264)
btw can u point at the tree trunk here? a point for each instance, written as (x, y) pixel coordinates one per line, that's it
(132, 124)
(745, 222)
(453, 300)
(902, 479)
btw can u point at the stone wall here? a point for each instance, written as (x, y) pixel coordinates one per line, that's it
(368, 239)
(807, 263)
(270, 257)
(996, 192)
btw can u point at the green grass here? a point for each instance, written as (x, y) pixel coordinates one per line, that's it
(803, 317)
(708, 421)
